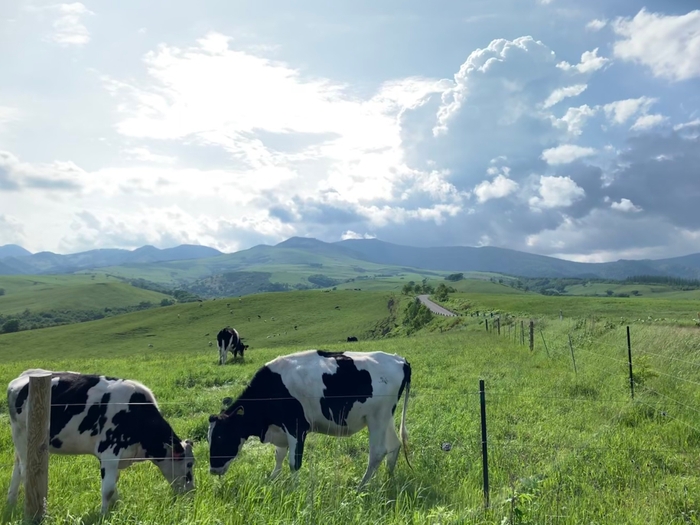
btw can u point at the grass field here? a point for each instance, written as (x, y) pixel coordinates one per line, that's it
(69, 292)
(564, 447)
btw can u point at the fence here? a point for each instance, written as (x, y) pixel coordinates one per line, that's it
(36, 481)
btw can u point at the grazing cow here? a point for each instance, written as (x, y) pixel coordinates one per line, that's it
(116, 420)
(352, 339)
(332, 393)
(229, 340)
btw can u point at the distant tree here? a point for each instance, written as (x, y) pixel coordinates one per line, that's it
(454, 277)
(635, 293)
(609, 292)
(441, 292)
(10, 326)
(417, 316)
(166, 302)
(407, 289)
(2, 291)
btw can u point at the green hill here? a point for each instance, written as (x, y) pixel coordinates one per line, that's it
(69, 292)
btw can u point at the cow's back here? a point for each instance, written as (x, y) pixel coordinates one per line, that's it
(338, 391)
(82, 407)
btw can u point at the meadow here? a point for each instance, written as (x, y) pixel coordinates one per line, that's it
(564, 446)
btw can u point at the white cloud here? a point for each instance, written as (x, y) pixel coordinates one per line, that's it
(646, 122)
(145, 155)
(625, 205)
(621, 111)
(349, 234)
(691, 124)
(227, 98)
(561, 93)
(500, 187)
(590, 62)
(575, 119)
(669, 45)
(68, 27)
(566, 153)
(596, 24)
(557, 192)
(11, 230)
(512, 65)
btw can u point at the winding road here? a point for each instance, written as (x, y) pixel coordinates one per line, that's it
(435, 308)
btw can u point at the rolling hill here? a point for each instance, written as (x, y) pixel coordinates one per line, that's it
(293, 261)
(52, 263)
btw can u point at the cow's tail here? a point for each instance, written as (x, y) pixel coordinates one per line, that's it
(402, 429)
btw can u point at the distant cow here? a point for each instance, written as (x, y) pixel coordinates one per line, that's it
(229, 340)
(116, 420)
(332, 393)
(352, 339)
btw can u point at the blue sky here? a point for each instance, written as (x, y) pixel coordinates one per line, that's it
(558, 127)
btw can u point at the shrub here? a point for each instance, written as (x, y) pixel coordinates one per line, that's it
(11, 326)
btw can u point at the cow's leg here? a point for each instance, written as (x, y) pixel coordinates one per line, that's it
(296, 450)
(377, 447)
(110, 475)
(393, 446)
(280, 453)
(16, 480)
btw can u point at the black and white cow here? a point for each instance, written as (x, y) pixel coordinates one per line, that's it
(229, 340)
(332, 393)
(116, 420)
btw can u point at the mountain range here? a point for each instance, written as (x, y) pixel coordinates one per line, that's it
(191, 262)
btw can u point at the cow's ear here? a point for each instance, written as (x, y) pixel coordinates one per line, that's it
(239, 411)
(213, 418)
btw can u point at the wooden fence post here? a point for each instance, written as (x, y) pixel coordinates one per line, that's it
(532, 335)
(498, 324)
(522, 332)
(36, 481)
(487, 325)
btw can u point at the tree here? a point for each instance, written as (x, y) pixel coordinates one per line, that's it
(454, 277)
(609, 293)
(417, 316)
(2, 291)
(407, 289)
(441, 293)
(11, 326)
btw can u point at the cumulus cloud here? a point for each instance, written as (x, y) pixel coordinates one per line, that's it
(69, 29)
(56, 176)
(557, 192)
(590, 61)
(621, 111)
(669, 45)
(596, 24)
(646, 122)
(349, 234)
(575, 119)
(501, 186)
(625, 205)
(566, 153)
(515, 63)
(561, 93)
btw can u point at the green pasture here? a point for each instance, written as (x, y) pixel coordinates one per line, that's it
(564, 446)
(69, 292)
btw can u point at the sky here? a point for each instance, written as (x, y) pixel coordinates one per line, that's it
(566, 128)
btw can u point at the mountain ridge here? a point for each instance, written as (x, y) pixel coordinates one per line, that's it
(306, 250)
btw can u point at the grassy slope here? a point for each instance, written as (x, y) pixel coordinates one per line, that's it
(69, 292)
(560, 444)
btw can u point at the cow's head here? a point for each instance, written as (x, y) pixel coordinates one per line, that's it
(178, 466)
(227, 433)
